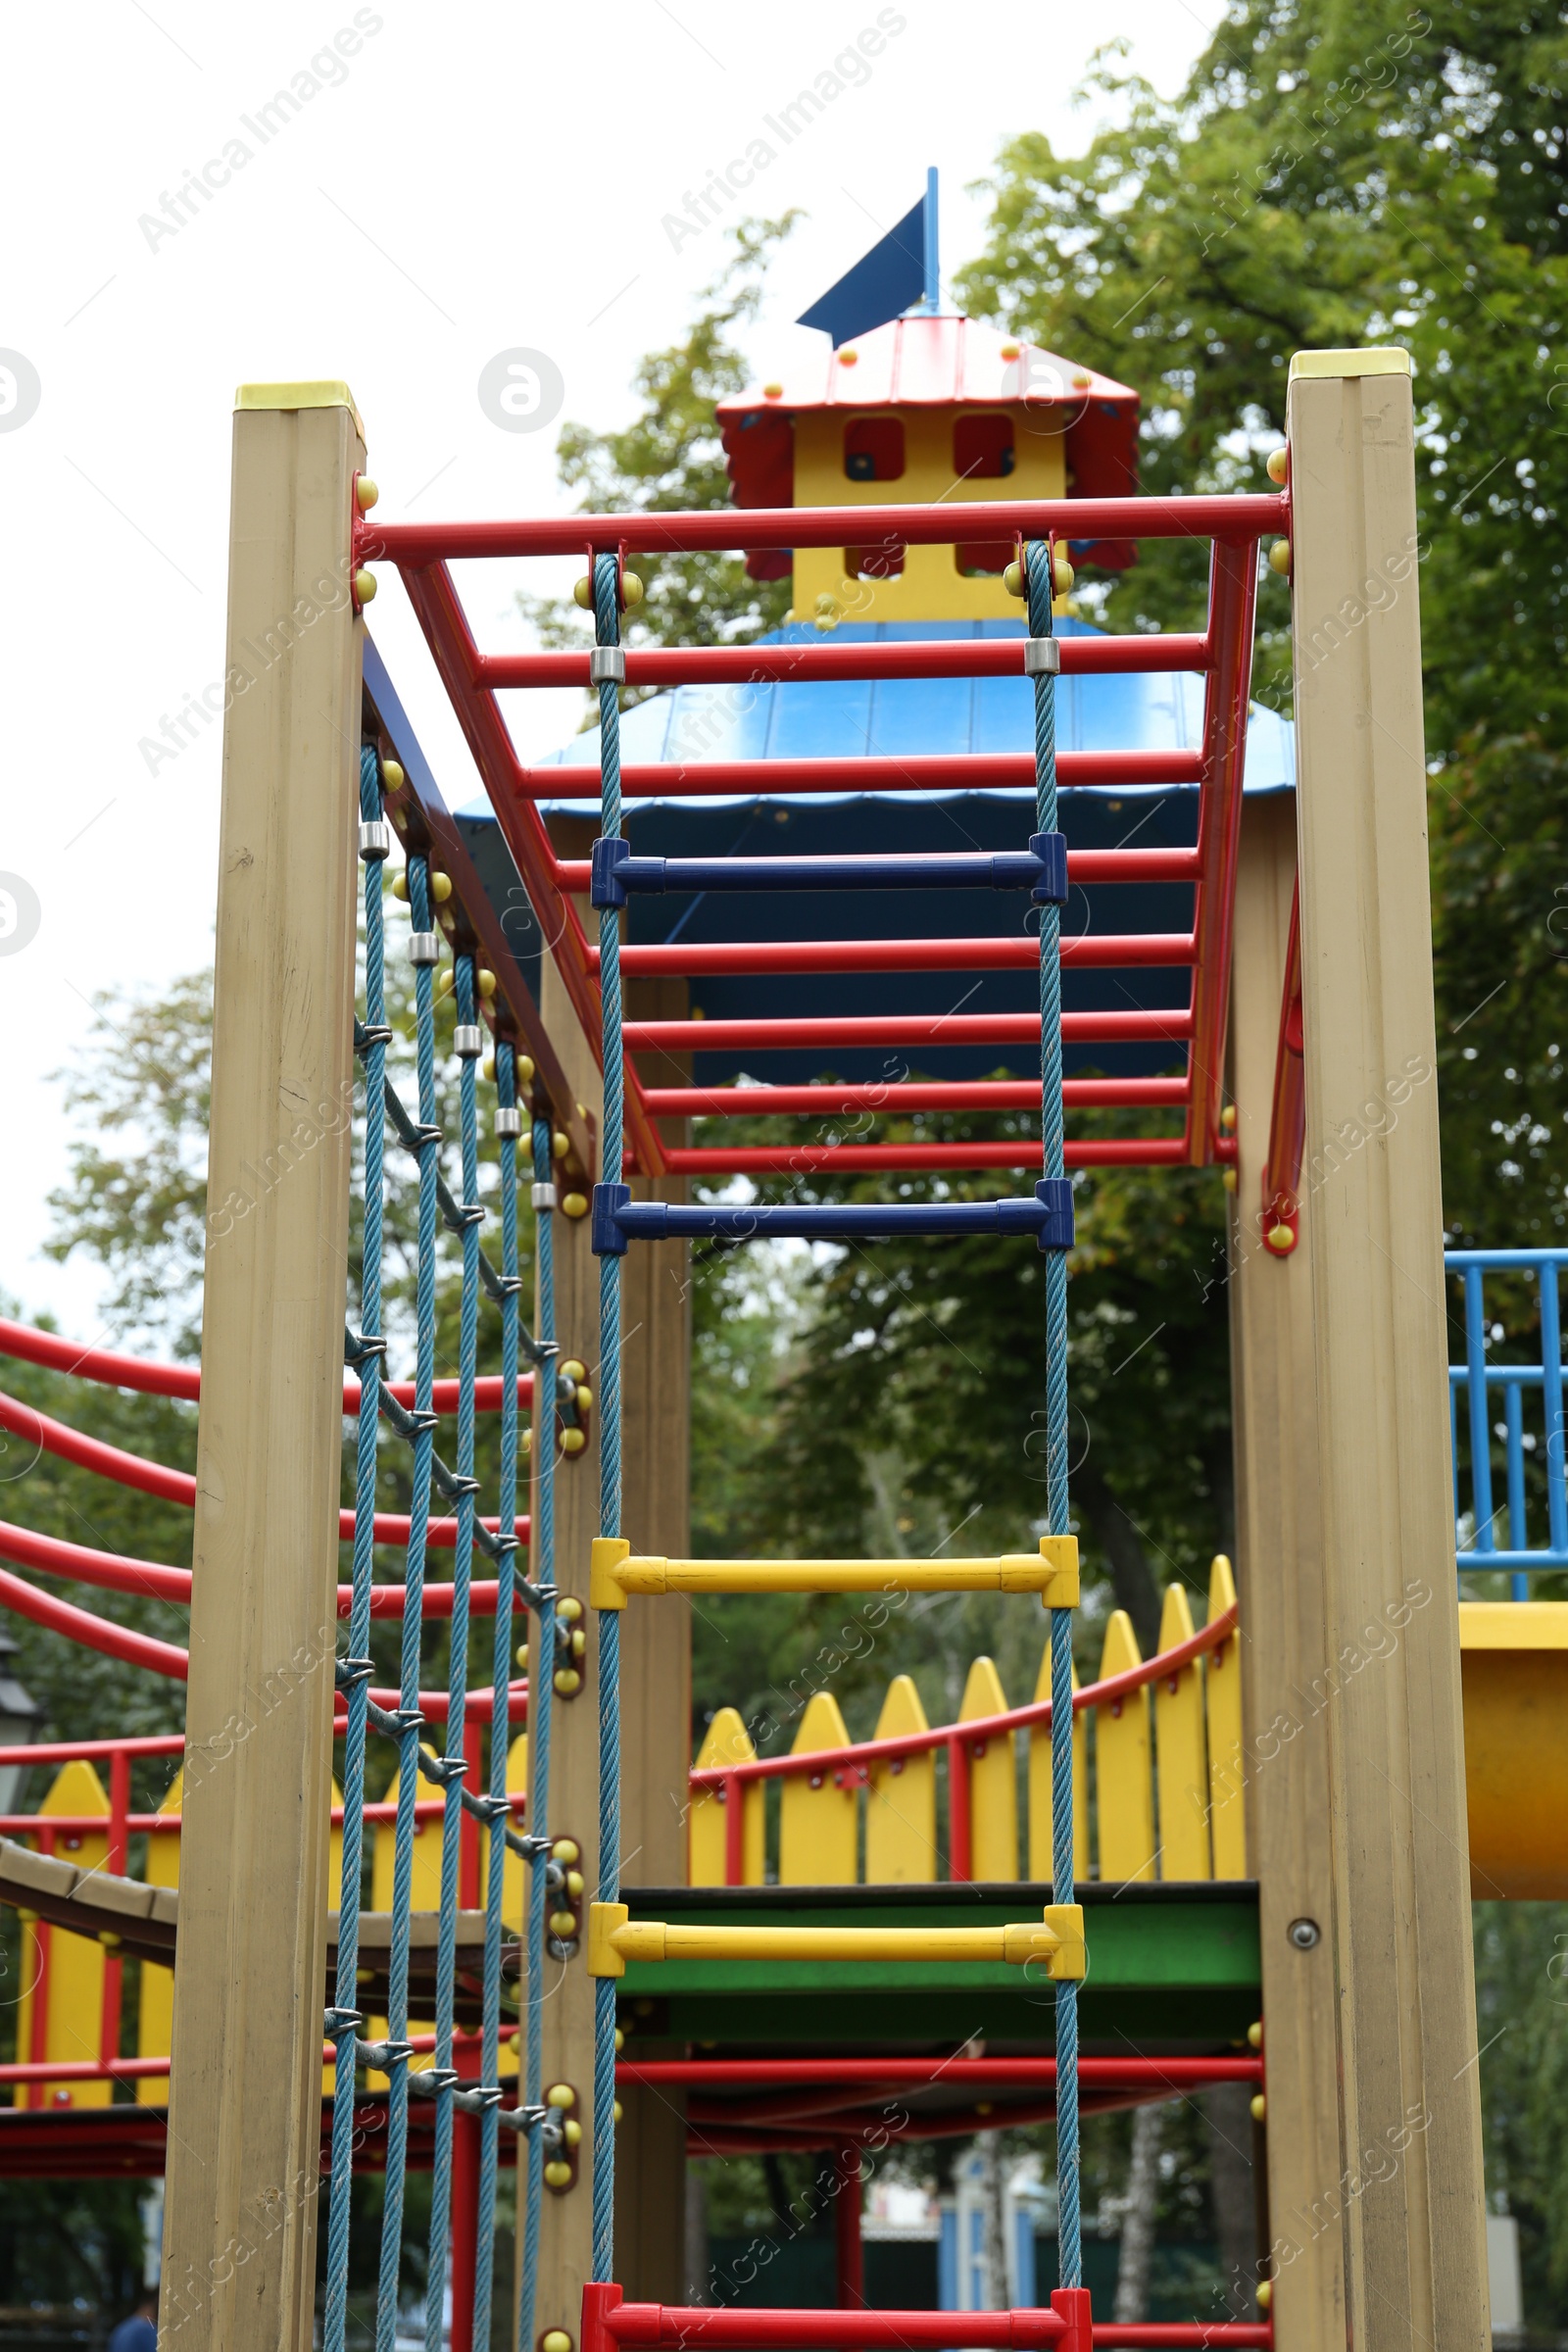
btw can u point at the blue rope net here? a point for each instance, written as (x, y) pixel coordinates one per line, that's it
(442, 2083)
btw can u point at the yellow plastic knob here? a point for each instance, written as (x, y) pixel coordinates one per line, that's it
(566, 1850)
(582, 593)
(400, 886)
(1013, 579)
(617, 2109)
(620, 2042)
(1227, 1118)
(392, 775)
(1281, 1239)
(440, 887)
(1081, 380)
(631, 591)
(568, 1682)
(579, 1643)
(826, 603)
(1265, 2293)
(366, 490)
(575, 1884)
(559, 1145)
(1258, 2107)
(446, 980)
(1278, 468)
(522, 1653)
(1062, 575)
(1279, 556)
(365, 587)
(772, 391)
(524, 1069)
(571, 2133)
(585, 1396)
(573, 1441)
(1254, 2034)
(1228, 1179)
(527, 1441)
(485, 983)
(847, 357)
(1009, 351)
(556, 2339)
(573, 1369)
(488, 1065)
(556, 2176)
(564, 1924)
(560, 2094)
(570, 1610)
(574, 1204)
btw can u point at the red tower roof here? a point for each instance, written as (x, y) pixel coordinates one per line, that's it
(940, 362)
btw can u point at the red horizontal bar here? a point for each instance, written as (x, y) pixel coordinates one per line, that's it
(1095, 949)
(921, 2073)
(763, 665)
(862, 1031)
(573, 874)
(887, 1102)
(1156, 2335)
(924, 771)
(67, 1752)
(665, 2327)
(414, 545)
(46, 1348)
(851, 1159)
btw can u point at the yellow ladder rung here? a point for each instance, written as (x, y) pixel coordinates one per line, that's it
(1056, 1941)
(1052, 1574)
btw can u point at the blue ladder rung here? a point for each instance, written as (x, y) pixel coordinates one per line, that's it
(619, 1219)
(1041, 869)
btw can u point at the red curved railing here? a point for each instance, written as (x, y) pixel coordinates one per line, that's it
(146, 1477)
(154, 1580)
(30, 1346)
(962, 1742)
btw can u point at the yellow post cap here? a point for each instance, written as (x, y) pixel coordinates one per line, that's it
(324, 395)
(603, 1920)
(604, 1590)
(1385, 359)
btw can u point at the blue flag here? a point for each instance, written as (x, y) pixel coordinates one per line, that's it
(897, 274)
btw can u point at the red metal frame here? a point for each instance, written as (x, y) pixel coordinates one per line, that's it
(1222, 652)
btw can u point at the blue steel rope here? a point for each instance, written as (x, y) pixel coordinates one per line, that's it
(500, 1719)
(1040, 587)
(446, 1961)
(335, 2321)
(541, 1685)
(607, 630)
(409, 1717)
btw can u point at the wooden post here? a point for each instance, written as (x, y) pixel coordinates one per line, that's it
(1408, 2199)
(656, 1699)
(245, 2123)
(1280, 1585)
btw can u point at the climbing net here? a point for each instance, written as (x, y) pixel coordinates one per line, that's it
(367, 1350)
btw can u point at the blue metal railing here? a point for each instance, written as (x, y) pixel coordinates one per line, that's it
(1481, 1381)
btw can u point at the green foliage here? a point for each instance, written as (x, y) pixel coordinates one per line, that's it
(1521, 1995)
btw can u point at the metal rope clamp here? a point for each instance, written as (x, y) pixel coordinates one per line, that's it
(424, 946)
(376, 840)
(368, 1034)
(606, 665)
(508, 1121)
(1042, 657)
(467, 1041)
(543, 1196)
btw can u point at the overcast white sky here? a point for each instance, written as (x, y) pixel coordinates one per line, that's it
(473, 178)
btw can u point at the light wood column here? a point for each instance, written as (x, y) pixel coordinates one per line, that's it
(1279, 1576)
(245, 2122)
(1410, 2208)
(656, 1697)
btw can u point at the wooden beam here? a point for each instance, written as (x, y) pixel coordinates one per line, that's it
(244, 2139)
(1408, 2199)
(1279, 1575)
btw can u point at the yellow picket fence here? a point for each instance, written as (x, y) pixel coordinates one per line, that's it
(60, 2014)
(1156, 1777)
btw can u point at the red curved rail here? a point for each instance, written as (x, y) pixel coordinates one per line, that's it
(154, 1580)
(33, 1347)
(177, 1486)
(979, 1729)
